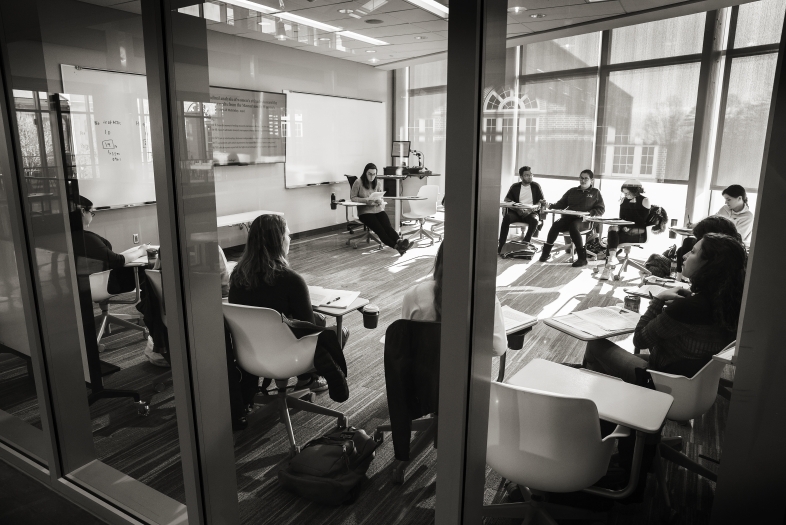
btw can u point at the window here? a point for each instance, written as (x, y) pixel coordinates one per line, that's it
(508, 125)
(759, 23)
(623, 160)
(745, 122)
(562, 53)
(491, 125)
(559, 128)
(647, 160)
(661, 39)
(652, 107)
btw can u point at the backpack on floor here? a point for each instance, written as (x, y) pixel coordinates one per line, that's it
(330, 469)
(596, 246)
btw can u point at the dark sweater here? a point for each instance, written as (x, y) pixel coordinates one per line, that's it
(680, 332)
(287, 295)
(634, 211)
(514, 192)
(577, 199)
(99, 252)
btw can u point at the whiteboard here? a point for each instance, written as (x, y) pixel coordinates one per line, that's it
(109, 128)
(328, 137)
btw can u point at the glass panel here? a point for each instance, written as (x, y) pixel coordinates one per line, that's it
(428, 100)
(80, 95)
(661, 39)
(745, 122)
(649, 119)
(557, 125)
(562, 53)
(759, 23)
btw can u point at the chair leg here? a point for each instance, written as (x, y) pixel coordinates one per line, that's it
(283, 412)
(682, 460)
(103, 327)
(116, 319)
(660, 472)
(307, 406)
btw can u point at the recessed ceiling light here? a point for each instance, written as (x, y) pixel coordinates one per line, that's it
(421, 37)
(374, 60)
(537, 15)
(324, 39)
(373, 21)
(281, 37)
(346, 11)
(516, 9)
(370, 51)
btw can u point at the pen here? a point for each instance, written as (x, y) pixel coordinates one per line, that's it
(333, 300)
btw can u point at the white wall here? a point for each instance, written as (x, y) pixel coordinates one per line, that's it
(243, 63)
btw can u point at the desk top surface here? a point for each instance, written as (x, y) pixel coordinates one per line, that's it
(555, 323)
(350, 204)
(618, 402)
(241, 218)
(682, 231)
(519, 206)
(405, 198)
(568, 212)
(336, 312)
(613, 222)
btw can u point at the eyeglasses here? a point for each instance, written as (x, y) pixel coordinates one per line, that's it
(91, 212)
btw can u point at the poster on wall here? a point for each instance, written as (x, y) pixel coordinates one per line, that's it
(245, 127)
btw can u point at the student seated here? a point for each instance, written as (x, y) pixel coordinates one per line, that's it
(683, 329)
(373, 213)
(736, 209)
(634, 207)
(582, 198)
(423, 302)
(98, 250)
(264, 279)
(711, 224)
(525, 192)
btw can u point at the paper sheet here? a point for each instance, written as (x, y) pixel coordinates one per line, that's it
(333, 298)
(515, 319)
(610, 319)
(376, 195)
(646, 290)
(578, 323)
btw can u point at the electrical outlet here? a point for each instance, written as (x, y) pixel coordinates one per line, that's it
(136, 238)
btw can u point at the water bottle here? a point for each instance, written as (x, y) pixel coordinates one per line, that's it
(333, 204)
(673, 270)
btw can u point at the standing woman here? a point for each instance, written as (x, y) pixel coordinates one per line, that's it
(736, 209)
(634, 207)
(584, 197)
(373, 213)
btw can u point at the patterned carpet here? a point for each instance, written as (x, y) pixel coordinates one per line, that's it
(146, 448)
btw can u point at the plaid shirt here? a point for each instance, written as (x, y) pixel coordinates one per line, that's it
(670, 341)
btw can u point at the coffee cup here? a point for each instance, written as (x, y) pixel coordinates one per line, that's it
(516, 341)
(370, 316)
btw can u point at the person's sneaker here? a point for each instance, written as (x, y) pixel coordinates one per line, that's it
(403, 245)
(605, 275)
(612, 260)
(318, 385)
(155, 358)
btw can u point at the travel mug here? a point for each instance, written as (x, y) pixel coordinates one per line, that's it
(370, 316)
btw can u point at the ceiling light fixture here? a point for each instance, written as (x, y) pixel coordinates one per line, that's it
(362, 38)
(421, 37)
(324, 39)
(537, 15)
(319, 25)
(251, 5)
(432, 6)
(516, 10)
(374, 60)
(346, 11)
(370, 51)
(373, 21)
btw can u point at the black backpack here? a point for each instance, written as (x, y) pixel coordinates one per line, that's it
(329, 469)
(658, 219)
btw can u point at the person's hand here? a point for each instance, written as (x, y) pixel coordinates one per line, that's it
(625, 229)
(379, 202)
(670, 294)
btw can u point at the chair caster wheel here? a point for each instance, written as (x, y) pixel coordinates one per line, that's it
(595, 271)
(617, 277)
(343, 422)
(144, 409)
(294, 451)
(101, 348)
(355, 245)
(159, 387)
(379, 436)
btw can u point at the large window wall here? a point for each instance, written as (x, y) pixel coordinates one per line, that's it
(624, 102)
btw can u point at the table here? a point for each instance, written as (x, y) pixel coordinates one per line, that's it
(242, 219)
(339, 314)
(637, 408)
(685, 232)
(563, 247)
(399, 190)
(610, 222)
(555, 322)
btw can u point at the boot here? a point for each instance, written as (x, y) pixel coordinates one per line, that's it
(582, 260)
(544, 255)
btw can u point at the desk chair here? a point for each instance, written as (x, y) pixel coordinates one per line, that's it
(99, 294)
(266, 347)
(545, 442)
(423, 211)
(353, 222)
(626, 247)
(693, 396)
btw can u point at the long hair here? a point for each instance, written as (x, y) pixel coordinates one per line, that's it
(716, 224)
(438, 282)
(722, 277)
(364, 179)
(735, 190)
(264, 257)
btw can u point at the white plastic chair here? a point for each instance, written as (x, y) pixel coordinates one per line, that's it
(99, 294)
(423, 210)
(545, 442)
(626, 247)
(693, 397)
(266, 347)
